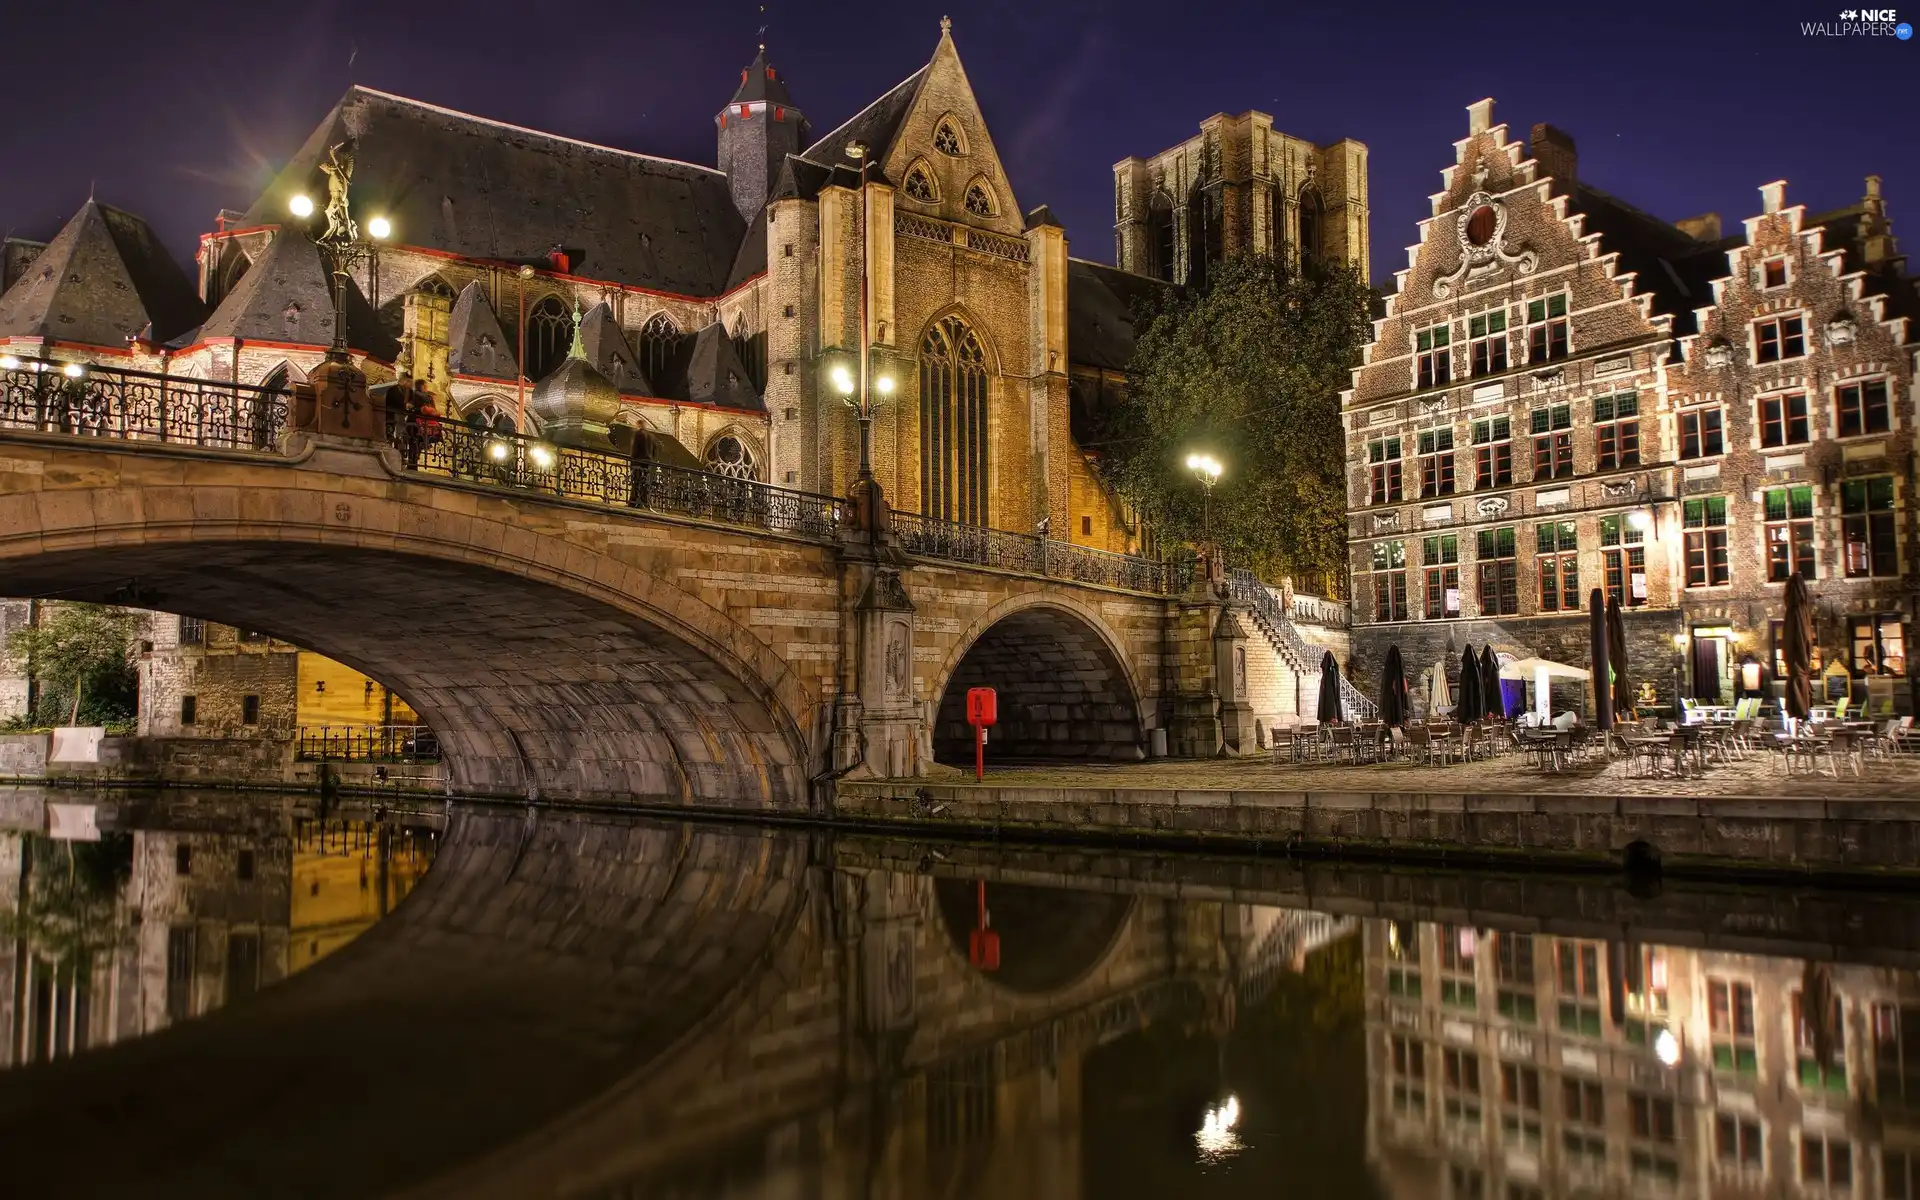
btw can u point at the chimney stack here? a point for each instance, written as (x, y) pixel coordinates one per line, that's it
(1480, 116)
(1773, 196)
(1553, 151)
(1703, 228)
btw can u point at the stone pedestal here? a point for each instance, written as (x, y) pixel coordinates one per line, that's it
(1237, 726)
(891, 723)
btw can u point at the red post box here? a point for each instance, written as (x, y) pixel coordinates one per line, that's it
(982, 711)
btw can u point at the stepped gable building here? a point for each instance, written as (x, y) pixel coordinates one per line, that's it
(701, 309)
(1566, 392)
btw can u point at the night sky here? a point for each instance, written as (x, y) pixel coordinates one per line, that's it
(1677, 108)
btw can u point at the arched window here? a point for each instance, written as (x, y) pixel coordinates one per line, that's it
(259, 411)
(492, 416)
(946, 138)
(751, 348)
(1160, 237)
(730, 456)
(980, 199)
(659, 342)
(953, 424)
(433, 285)
(549, 334)
(919, 184)
(1312, 226)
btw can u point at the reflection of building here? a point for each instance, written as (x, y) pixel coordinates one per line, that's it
(1526, 1065)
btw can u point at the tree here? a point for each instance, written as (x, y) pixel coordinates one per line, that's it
(80, 652)
(1249, 369)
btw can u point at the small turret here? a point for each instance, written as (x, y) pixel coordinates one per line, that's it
(757, 129)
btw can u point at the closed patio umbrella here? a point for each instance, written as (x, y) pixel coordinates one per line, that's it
(1602, 651)
(1617, 659)
(1439, 695)
(1492, 703)
(1471, 704)
(1329, 710)
(1796, 646)
(1395, 704)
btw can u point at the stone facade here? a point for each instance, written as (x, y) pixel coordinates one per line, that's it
(206, 680)
(1527, 424)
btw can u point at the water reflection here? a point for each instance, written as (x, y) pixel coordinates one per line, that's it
(586, 1006)
(123, 931)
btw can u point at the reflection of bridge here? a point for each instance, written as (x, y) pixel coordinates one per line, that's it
(573, 627)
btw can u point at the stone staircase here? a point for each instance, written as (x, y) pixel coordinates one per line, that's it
(1296, 656)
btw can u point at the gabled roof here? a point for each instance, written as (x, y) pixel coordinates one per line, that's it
(1676, 268)
(483, 189)
(877, 124)
(752, 259)
(479, 346)
(285, 297)
(1102, 307)
(103, 279)
(799, 179)
(761, 82)
(608, 351)
(715, 374)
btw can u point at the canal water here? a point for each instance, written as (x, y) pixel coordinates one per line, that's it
(214, 994)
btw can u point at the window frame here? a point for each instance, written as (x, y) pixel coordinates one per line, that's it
(1436, 462)
(1863, 409)
(1493, 454)
(1433, 356)
(1616, 433)
(1386, 477)
(1557, 569)
(1777, 428)
(1498, 573)
(1788, 330)
(1552, 440)
(1709, 541)
(1549, 335)
(1788, 540)
(1692, 442)
(1489, 343)
(1440, 571)
(1871, 525)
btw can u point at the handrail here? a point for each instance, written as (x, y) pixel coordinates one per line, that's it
(1031, 554)
(81, 399)
(459, 451)
(1300, 654)
(366, 743)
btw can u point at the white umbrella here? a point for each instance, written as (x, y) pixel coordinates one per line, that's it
(1439, 695)
(1541, 670)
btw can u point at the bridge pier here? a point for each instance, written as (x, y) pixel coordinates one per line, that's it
(1210, 713)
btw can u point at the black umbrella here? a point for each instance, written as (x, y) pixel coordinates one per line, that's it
(1493, 701)
(1602, 672)
(1395, 705)
(1329, 710)
(1469, 704)
(1617, 659)
(1796, 646)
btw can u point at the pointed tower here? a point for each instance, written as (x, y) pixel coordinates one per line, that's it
(757, 129)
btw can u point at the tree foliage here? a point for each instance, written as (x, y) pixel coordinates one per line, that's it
(81, 654)
(1249, 370)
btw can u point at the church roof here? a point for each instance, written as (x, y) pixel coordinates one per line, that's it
(285, 297)
(608, 351)
(799, 179)
(103, 279)
(761, 82)
(752, 259)
(479, 346)
(877, 125)
(483, 189)
(1101, 305)
(715, 374)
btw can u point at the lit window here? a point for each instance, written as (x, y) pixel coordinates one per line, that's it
(1434, 365)
(1557, 561)
(1706, 541)
(1499, 577)
(1547, 328)
(1623, 554)
(1789, 513)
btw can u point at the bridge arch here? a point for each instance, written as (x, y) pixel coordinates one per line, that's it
(1048, 938)
(1064, 685)
(546, 666)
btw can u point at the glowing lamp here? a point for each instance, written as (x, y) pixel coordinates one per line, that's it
(542, 457)
(497, 451)
(843, 380)
(884, 385)
(301, 205)
(380, 228)
(73, 370)
(9, 363)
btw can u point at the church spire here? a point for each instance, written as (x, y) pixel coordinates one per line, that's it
(756, 131)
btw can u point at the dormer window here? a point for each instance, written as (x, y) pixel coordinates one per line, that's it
(979, 200)
(919, 185)
(946, 139)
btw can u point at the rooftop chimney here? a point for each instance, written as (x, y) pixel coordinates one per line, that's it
(1773, 196)
(1876, 232)
(1480, 116)
(1553, 151)
(1703, 228)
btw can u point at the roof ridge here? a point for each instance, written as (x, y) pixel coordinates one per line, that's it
(542, 133)
(871, 105)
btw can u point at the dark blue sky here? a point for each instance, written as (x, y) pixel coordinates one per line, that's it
(1676, 108)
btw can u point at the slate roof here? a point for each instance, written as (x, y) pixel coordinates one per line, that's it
(482, 189)
(715, 374)
(752, 259)
(877, 125)
(1101, 306)
(284, 297)
(799, 179)
(1677, 268)
(103, 279)
(761, 82)
(478, 345)
(608, 351)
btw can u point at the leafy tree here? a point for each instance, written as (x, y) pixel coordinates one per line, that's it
(1250, 370)
(67, 912)
(82, 652)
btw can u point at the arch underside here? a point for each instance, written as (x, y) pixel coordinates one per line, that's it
(526, 683)
(1062, 692)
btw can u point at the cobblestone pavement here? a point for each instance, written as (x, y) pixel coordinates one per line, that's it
(1759, 774)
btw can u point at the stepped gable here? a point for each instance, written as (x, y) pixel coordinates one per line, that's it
(483, 189)
(104, 279)
(285, 297)
(478, 345)
(715, 374)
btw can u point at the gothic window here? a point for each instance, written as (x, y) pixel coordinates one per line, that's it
(1160, 237)
(979, 199)
(919, 184)
(946, 139)
(433, 285)
(493, 416)
(751, 348)
(259, 411)
(953, 424)
(1312, 226)
(659, 342)
(730, 456)
(233, 268)
(549, 334)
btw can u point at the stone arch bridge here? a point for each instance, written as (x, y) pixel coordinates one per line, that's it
(573, 629)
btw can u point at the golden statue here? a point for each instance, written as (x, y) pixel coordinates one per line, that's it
(339, 172)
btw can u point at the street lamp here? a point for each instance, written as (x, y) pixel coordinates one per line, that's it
(340, 243)
(1205, 468)
(1679, 676)
(520, 363)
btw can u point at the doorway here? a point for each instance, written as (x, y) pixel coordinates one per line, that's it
(1712, 663)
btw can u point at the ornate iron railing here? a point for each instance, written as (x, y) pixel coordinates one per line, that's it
(1302, 655)
(84, 400)
(507, 460)
(367, 743)
(1029, 554)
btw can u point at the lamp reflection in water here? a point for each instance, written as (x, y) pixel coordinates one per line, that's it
(1216, 1138)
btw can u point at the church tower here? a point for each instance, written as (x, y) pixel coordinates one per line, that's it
(758, 128)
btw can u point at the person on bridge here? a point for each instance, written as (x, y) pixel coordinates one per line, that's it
(640, 486)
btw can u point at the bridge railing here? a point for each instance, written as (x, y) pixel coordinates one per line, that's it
(367, 743)
(1030, 554)
(1303, 656)
(85, 400)
(509, 460)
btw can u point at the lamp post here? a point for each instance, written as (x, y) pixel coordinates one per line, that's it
(520, 361)
(1205, 468)
(857, 387)
(340, 243)
(1679, 673)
